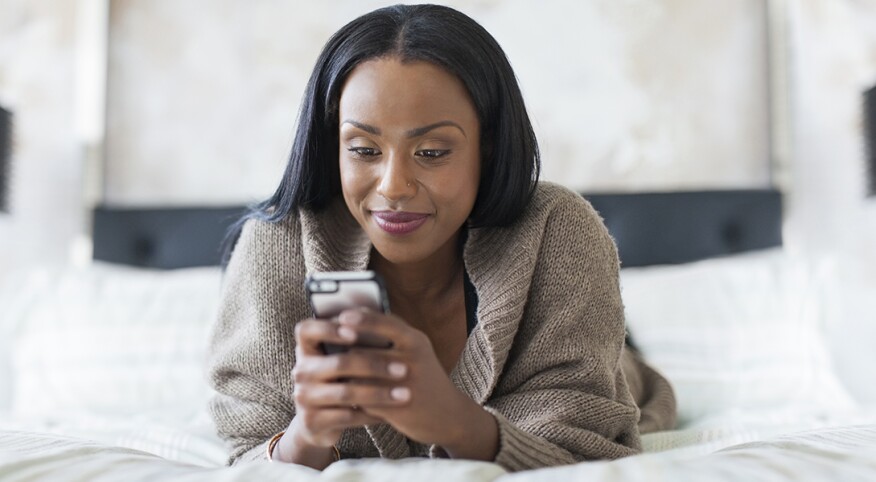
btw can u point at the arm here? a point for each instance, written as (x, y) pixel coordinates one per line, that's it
(563, 397)
(266, 365)
(426, 407)
(251, 352)
(474, 433)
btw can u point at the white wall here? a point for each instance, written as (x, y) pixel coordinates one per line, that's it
(624, 95)
(634, 94)
(36, 83)
(833, 61)
(833, 50)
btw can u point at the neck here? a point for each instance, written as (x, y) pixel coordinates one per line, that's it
(413, 284)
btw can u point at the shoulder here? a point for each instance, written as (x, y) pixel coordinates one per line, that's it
(325, 239)
(571, 234)
(263, 234)
(262, 239)
(553, 212)
(559, 229)
(561, 210)
(550, 198)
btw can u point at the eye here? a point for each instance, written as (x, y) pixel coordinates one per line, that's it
(363, 152)
(433, 153)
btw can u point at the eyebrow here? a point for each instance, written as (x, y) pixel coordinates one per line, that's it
(417, 132)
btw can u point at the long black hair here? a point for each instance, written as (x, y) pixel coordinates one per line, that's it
(432, 33)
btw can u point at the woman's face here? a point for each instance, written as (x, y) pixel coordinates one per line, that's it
(409, 156)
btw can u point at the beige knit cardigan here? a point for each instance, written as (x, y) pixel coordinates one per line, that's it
(546, 358)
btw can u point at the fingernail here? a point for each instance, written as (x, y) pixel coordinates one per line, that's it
(397, 369)
(400, 393)
(346, 333)
(351, 317)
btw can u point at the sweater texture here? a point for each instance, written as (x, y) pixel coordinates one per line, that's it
(546, 358)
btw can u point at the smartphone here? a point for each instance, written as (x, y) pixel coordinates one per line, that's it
(332, 292)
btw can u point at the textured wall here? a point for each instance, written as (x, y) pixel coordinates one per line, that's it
(36, 83)
(834, 61)
(833, 48)
(624, 95)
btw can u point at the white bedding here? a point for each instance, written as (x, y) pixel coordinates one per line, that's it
(101, 378)
(835, 453)
(189, 439)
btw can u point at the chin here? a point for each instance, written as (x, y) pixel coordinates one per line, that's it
(399, 254)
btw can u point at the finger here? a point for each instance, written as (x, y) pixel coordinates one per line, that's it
(385, 412)
(337, 418)
(311, 333)
(347, 395)
(355, 364)
(306, 370)
(370, 324)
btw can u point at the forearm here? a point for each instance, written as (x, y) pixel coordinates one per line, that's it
(292, 449)
(475, 434)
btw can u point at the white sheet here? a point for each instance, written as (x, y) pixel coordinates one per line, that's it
(182, 437)
(837, 453)
(130, 420)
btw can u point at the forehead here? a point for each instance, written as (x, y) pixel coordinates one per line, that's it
(392, 92)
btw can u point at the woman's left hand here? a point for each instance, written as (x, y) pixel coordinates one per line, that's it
(435, 411)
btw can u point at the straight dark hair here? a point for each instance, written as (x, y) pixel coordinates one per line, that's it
(431, 33)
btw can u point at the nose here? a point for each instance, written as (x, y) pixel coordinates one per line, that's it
(397, 181)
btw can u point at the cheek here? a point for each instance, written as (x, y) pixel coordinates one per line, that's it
(458, 188)
(352, 188)
(353, 180)
(471, 179)
(346, 177)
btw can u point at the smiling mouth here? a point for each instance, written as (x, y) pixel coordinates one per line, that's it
(399, 223)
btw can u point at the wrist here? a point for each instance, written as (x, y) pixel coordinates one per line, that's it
(474, 436)
(294, 447)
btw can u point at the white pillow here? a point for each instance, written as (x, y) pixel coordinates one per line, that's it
(850, 326)
(115, 340)
(733, 333)
(19, 292)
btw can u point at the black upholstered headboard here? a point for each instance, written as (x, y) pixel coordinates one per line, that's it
(678, 227)
(649, 228)
(163, 238)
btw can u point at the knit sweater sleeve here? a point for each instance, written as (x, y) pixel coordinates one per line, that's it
(563, 397)
(251, 351)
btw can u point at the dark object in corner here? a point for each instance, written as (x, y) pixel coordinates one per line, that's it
(5, 158)
(870, 138)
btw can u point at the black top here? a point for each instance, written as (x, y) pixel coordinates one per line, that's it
(471, 303)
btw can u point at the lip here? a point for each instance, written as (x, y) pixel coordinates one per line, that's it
(399, 223)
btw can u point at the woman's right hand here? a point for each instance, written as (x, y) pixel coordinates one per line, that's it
(324, 404)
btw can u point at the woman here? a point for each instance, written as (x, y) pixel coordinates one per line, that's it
(414, 157)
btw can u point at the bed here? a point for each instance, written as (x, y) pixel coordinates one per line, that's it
(102, 376)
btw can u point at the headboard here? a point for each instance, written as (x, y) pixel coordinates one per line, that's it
(649, 228)
(679, 227)
(162, 238)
